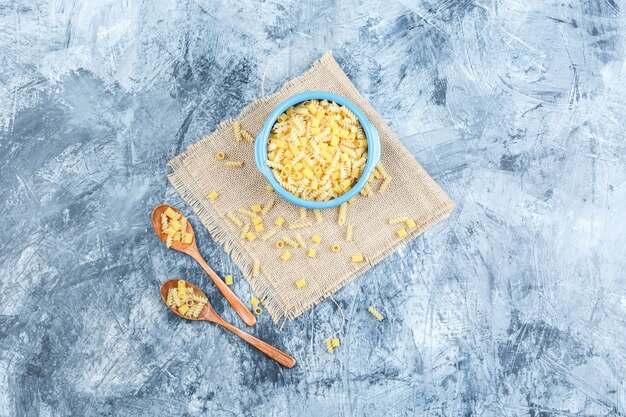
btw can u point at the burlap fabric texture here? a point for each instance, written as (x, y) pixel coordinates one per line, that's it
(412, 193)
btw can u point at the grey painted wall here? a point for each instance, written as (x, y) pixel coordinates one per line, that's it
(514, 306)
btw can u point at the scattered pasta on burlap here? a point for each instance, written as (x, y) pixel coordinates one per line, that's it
(237, 130)
(301, 241)
(349, 232)
(384, 185)
(248, 213)
(398, 220)
(234, 219)
(233, 164)
(246, 135)
(300, 225)
(291, 242)
(244, 230)
(268, 206)
(342, 214)
(357, 258)
(268, 235)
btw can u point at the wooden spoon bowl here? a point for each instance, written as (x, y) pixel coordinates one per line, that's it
(209, 314)
(191, 249)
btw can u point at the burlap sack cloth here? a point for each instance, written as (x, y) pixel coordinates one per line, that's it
(411, 193)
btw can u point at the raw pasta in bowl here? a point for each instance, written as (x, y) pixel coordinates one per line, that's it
(317, 149)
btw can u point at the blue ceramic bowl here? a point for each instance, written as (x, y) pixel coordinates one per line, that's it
(371, 134)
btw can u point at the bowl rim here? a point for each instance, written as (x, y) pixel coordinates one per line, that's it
(371, 135)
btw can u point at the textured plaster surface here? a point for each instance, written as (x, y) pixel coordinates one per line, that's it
(514, 306)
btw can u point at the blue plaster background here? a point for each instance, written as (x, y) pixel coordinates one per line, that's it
(514, 306)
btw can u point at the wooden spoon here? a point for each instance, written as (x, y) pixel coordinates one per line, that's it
(209, 314)
(191, 249)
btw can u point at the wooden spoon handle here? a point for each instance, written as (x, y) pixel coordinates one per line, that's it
(272, 352)
(239, 307)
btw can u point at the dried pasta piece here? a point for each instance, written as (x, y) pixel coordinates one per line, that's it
(233, 164)
(335, 248)
(247, 213)
(164, 223)
(269, 188)
(268, 206)
(342, 213)
(335, 342)
(280, 244)
(318, 215)
(257, 220)
(197, 309)
(247, 136)
(233, 218)
(349, 232)
(301, 283)
(268, 235)
(279, 221)
(398, 220)
(172, 295)
(300, 241)
(329, 345)
(228, 280)
(410, 223)
(357, 257)
(300, 225)
(183, 309)
(401, 232)
(316, 238)
(258, 311)
(254, 301)
(220, 156)
(303, 213)
(384, 185)
(169, 240)
(237, 130)
(382, 172)
(169, 212)
(213, 195)
(181, 287)
(250, 236)
(256, 208)
(291, 242)
(244, 230)
(256, 268)
(274, 164)
(366, 190)
(372, 310)
(286, 256)
(199, 298)
(312, 253)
